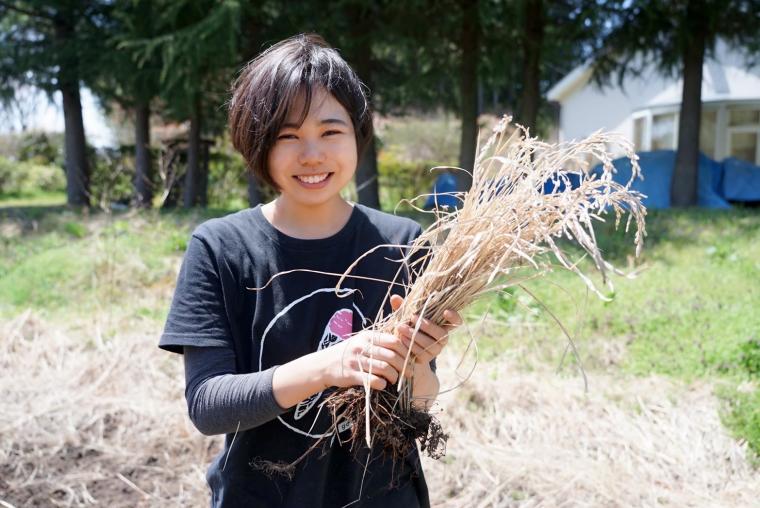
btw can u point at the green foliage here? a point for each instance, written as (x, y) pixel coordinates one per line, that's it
(28, 178)
(401, 180)
(749, 356)
(195, 42)
(430, 138)
(41, 148)
(741, 414)
(227, 181)
(75, 229)
(112, 174)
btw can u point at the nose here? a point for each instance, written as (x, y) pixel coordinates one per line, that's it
(311, 154)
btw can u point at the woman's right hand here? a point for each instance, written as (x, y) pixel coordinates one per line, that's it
(367, 356)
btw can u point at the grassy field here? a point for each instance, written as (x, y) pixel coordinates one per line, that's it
(690, 313)
(689, 320)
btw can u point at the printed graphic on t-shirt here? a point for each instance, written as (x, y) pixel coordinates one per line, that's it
(338, 328)
(305, 419)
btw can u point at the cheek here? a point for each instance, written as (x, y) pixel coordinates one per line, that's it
(349, 154)
(277, 161)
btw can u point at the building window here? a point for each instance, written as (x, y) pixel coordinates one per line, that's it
(740, 117)
(744, 134)
(664, 132)
(743, 146)
(707, 133)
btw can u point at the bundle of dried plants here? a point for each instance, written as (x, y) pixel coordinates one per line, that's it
(506, 223)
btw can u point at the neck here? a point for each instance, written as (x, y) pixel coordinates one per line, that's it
(308, 221)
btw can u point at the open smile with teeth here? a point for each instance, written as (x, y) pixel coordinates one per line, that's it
(321, 177)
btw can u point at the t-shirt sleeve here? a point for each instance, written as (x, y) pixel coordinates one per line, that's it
(197, 316)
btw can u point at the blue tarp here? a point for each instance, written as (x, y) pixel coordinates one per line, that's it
(657, 168)
(443, 191)
(741, 180)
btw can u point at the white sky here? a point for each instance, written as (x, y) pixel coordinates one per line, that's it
(42, 115)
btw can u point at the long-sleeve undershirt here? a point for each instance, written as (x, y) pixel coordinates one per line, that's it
(219, 401)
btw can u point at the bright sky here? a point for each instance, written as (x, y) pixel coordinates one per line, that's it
(42, 115)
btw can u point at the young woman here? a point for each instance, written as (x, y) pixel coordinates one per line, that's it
(261, 353)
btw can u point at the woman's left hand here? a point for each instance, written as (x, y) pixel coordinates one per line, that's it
(430, 338)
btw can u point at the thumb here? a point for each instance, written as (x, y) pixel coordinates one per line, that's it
(396, 302)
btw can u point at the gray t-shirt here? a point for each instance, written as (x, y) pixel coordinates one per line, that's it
(217, 307)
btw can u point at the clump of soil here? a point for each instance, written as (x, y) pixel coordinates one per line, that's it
(394, 430)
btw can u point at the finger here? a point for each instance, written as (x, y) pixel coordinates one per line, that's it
(453, 318)
(421, 338)
(394, 358)
(392, 342)
(380, 368)
(375, 382)
(396, 302)
(437, 332)
(420, 352)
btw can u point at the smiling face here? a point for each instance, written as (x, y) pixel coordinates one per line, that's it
(310, 163)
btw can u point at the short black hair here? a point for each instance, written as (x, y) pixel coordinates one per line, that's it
(269, 86)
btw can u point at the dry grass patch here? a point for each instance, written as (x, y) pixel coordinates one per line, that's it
(536, 439)
(85, 423)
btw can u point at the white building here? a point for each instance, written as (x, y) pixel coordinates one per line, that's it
(646, 109)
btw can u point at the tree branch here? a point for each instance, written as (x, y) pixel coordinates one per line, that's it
(28, 12)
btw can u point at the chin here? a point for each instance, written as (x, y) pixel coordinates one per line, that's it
(313, 199)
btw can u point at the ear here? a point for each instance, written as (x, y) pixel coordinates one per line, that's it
(396, 302)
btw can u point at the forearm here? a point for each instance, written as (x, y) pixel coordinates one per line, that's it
(299, 379)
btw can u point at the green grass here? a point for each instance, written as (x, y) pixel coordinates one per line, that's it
(65, 263)
(36, 199)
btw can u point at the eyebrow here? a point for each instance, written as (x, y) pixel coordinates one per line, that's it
(326, 121)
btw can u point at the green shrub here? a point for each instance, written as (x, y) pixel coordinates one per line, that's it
(227, 179)
(26, 178)
(422, 139)
(401, 180)
(112, 171)
(41, 148)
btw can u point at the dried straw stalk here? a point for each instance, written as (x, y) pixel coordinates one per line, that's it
(505, 222)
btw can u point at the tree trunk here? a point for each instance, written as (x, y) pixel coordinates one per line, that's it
(532, 41)
(77, 167)
(254, 197)
(683, 190)
(468, 91)
(366, 178)
(367, 188)
(190, 197)
(143, 164)
(75, 144)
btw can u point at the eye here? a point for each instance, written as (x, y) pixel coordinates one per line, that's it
(332, 132)
(286, 136)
